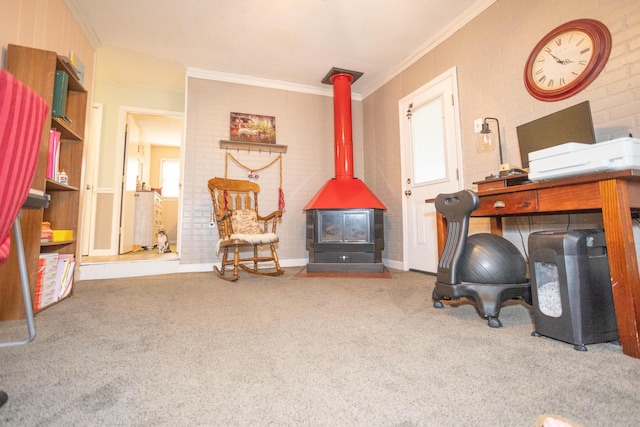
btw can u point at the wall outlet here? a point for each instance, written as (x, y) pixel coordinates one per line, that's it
(477, 125)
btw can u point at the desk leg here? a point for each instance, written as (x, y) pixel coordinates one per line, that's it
(496, 225)
(625, 279)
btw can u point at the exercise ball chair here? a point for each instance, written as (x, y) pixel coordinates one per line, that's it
(484, 268)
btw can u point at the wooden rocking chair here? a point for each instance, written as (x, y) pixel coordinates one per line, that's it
(235, 210)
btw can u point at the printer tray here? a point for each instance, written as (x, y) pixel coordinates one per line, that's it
(574, 158)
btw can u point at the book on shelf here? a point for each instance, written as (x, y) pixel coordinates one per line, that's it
(64, 281)
(60, 88)
(46, 233)
(78, 66)
(66, 61)
(53, 161)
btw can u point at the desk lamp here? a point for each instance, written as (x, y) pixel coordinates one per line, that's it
(486, 142)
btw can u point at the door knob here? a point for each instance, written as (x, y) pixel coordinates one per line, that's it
(407, 193)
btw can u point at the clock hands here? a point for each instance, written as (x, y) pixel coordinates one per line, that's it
(558, 60)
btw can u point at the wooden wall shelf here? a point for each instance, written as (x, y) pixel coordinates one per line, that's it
(253, 146)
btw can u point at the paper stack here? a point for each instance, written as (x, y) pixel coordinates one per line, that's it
(55, 278)
(46, 283)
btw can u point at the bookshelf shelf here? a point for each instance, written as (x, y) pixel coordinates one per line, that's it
(56, 186)
(61, 243)
(63, 127)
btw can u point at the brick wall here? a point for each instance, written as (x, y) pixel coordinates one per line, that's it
(490, 53)
(304, 122)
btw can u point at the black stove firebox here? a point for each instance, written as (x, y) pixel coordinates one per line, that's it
(345, 240)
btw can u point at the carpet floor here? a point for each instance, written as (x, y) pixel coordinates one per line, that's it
(194, 350)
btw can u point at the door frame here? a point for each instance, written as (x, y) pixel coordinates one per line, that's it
(452, 74)
(91, 178)
(120, 159)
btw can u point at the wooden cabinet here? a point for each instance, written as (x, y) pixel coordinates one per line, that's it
(148, 221)
(37, 68)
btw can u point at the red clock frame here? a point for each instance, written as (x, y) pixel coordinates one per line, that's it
(601, 38)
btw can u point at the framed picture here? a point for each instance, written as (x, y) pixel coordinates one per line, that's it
(252, 128)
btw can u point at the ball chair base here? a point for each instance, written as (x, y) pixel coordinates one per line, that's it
(488, 298)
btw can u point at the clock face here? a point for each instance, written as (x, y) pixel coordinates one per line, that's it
(562, 60)
(567, 60)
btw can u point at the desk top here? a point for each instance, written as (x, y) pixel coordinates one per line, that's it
(493, 186)
(503, 181)
(576, 194)
(517, 183)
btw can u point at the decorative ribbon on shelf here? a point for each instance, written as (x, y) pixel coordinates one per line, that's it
(253, 175)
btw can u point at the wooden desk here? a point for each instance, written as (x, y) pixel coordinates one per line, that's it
(615, 194)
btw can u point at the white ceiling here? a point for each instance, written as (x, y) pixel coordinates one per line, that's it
(157, 129)
(293, 41)
(290, 41)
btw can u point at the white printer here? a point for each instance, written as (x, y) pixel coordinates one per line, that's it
(574, 158)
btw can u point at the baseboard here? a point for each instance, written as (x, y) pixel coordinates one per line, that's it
(116, 270)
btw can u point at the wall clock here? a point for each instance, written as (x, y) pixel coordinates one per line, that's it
(567, 60)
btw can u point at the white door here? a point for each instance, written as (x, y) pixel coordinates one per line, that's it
(431, 151)
(132, 171)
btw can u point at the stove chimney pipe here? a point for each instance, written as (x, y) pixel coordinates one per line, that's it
(343, 191)
(343, 135)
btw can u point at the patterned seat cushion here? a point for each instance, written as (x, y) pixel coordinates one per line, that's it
(245, 221)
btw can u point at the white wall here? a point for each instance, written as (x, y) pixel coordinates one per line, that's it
(114, 97)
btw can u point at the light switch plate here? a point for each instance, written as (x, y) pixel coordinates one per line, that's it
(477, 125)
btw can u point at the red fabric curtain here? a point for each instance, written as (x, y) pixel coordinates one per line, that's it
(22, 115)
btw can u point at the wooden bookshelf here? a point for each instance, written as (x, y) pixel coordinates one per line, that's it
(36, 68)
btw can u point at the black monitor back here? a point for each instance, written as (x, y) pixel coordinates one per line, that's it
(573, 124)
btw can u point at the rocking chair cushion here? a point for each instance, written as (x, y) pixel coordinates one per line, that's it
(254, 239)
(245, 221)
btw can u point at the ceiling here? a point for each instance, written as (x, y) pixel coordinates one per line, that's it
(292, 41)
(159, 129)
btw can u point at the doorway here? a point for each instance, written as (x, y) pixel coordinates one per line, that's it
(432, 164)
(148, 139)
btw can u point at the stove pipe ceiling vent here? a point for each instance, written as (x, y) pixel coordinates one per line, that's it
(344, 191)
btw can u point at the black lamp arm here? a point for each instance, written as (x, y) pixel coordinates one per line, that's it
(499, 137)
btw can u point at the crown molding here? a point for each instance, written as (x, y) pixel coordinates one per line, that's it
(260, 82)
(463, 19)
